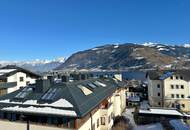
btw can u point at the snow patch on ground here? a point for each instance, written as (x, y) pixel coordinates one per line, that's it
(163, 49)
(139, 58)
(179, 125)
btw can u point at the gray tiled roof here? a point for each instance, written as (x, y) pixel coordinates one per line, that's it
(82, 103)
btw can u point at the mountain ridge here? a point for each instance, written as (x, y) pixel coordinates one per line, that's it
(129, 56)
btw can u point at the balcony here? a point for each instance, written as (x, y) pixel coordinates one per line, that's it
(4, 85)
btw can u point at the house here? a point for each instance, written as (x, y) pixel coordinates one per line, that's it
(169, 88)
(13, 77)
(136, 92)
(89, 104)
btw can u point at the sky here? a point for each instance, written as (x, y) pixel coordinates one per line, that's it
(46, 29)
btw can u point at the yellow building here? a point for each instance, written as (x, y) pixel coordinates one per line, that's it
(169, 88)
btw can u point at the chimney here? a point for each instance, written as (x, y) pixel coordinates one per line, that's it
(42, 85)
(84, 76)
(65, 78)
(76, 76)
(51, 78)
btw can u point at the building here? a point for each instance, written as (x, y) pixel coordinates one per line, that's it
(136, 92)
(89, 104)
(13, 77)
(169, 88)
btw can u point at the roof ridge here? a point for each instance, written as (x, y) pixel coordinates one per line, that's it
(75, 104)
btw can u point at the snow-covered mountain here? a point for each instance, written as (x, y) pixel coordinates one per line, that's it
(130, 56)
(36, 65)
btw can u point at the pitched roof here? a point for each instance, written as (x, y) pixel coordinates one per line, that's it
(12, 69)
(163, 74)
(69, 94)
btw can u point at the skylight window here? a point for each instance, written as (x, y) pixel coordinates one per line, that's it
(92, 85)
(100, 84)
(85, 90)
(50, 94)
(26, 91)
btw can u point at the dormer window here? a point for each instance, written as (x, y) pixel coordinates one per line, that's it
(171, 77)
(177, 77)
(181, 77)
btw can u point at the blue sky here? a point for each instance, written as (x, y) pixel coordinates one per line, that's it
(45, 29)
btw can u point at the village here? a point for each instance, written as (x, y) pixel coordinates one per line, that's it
(93, 100)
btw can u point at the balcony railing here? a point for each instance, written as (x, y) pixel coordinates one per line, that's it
(8, 85)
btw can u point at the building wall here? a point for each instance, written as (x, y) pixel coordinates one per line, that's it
(16, 78)
(168, 99)
(153, 90)
(7, 125)
(168, 91)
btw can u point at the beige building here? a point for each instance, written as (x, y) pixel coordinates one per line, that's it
(169, 88)
(89, 104)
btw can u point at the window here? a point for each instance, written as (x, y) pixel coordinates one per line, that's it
(159, 103)
(158, 94)
(158, 85)
(3, 91)
(173, 105)
(182, 96)
(177, 86)
(183, 105)
(171, 77)
(21, 79)
(98, 123)
(176, 77)
(172, 86)
(177, 95)
(182, 86)
(172, 95)
(181, 77)
(103, 122)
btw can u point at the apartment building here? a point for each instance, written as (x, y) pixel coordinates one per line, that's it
(89, 104)
(13, 77)
(169, 88)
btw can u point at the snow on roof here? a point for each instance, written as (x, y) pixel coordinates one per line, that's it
(156, 126)
(59, 103)
(160, 111)
(40, 110)
(4, 71)
(179, 125)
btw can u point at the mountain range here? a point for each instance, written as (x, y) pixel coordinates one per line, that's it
(36, 65)
(130, 56)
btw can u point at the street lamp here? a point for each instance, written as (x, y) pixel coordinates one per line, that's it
(23, 117)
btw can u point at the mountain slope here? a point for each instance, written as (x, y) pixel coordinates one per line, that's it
(129, 56)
